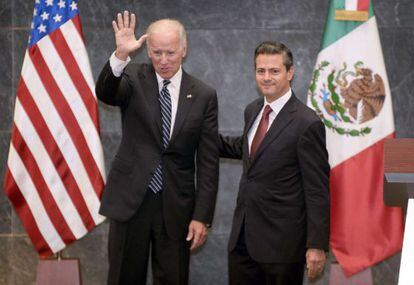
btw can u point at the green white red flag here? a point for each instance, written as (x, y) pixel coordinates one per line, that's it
(350, 92)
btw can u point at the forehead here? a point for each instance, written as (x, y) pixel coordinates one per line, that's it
(269, 61)
(161, 40)
(164, 38)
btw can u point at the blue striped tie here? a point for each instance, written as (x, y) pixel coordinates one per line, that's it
(155, 184)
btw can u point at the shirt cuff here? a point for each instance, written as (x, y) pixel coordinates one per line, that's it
(118, 65)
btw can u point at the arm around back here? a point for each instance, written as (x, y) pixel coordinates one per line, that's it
(231, 147)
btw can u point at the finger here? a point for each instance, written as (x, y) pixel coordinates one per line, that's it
(126, 19)
(133, 21)
(120, 21)
(203, 239)
(140, 41)
(312, 273)
(190, 234)
(115, 26)
(196, 241)
(311, 269)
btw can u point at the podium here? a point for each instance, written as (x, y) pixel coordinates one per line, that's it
(399, 171)
(398, 188)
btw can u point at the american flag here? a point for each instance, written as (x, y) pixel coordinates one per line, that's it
(55, 171)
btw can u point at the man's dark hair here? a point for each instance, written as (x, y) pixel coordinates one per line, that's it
(270, 47)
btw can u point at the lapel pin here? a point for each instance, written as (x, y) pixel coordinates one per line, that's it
(189, 96)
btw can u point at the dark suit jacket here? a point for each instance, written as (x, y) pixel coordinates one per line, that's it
(190, 162)
(283, 197)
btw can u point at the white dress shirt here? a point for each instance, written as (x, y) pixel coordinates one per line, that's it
(276, 106)
(118, 67)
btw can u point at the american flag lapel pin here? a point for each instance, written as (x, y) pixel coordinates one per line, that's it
(189, 96)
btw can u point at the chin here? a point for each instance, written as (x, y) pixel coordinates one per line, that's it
(166, 75)
(266, 94)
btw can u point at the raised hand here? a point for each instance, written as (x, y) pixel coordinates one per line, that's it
(125, 39)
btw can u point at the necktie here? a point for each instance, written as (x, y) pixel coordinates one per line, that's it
(155, 184)
(261, 131)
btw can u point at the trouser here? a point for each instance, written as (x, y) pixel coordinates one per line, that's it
(131, 242)
(243, 270)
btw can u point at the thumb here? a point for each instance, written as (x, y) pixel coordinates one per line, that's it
(190, 234)
(140, 41)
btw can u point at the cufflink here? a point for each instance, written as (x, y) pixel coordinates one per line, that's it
(189, 96)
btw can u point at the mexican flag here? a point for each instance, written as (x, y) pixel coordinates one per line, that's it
(350, 93)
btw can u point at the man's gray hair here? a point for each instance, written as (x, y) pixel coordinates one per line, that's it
(173, 22)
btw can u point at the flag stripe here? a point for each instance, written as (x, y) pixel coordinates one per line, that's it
(25, 214)
(351, 5)
(80, 83)
(32, 201)
(61, 136)
(72, 32)
(77, 23)
(77, 46)
(47, 199)
(55, 154)
(48, 171)
(75, 74)
(66, 83)
(363, 5)
(67, 117)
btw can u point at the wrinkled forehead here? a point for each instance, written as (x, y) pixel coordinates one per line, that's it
(164, 40)
(166, 28)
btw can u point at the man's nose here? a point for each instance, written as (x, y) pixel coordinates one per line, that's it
(163, 58)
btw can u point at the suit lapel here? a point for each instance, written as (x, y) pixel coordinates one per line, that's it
(150, 88)
(282, 120)
(185, 100)
(252, 117)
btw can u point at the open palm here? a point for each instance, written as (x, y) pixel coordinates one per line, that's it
(125, 39)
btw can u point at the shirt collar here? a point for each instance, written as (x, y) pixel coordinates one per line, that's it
(175, 80)
(278, 104)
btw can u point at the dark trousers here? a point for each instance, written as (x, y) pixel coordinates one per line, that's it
(243, 270)
(130, 244)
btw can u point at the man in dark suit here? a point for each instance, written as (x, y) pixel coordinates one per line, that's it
(162, 186)
(282, 215)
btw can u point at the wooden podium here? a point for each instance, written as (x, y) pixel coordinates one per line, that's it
(398, 188)
(399, 171)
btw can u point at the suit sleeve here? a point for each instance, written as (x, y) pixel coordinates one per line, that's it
(231, 147)
(314, 166)
(207, 165)
(112, 90)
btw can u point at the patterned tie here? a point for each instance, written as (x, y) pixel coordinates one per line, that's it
(155, 184)
(261, 131)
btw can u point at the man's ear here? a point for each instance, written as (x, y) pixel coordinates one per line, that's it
(184, 51)
(291, 73)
